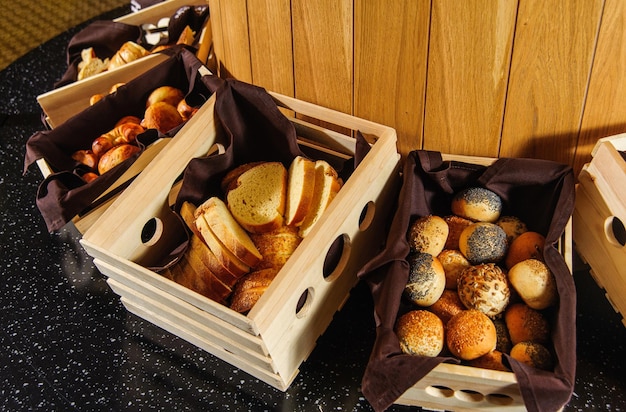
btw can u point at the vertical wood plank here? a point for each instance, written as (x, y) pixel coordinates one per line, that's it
(468, 64)
(605, 107)
(234, 56)
(323, 52)
(390, 55)
(271, 45)
(552, 57)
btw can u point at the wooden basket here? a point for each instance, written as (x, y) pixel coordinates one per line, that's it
(62, 103)
(280, 331)
(600, 216)
(467, 388)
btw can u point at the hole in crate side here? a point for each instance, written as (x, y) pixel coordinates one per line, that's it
(337, 257)
(468, 395)
(152, 231)
(304, 303)
(499, 399)
(614, 231)
(438, 391)
(367, 216)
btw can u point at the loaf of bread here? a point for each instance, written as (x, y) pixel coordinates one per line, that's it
(256, 198)
(420, 333)
(300, 189)
(326, 186)
(250, 288)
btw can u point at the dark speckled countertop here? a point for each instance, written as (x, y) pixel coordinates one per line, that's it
(67, 343)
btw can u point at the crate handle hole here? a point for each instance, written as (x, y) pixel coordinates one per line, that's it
(438, 391)
(152, 231)
(468, 395)
(367, 216)
(614, 231)
(304, 303)
(337, 257)
(499, 399)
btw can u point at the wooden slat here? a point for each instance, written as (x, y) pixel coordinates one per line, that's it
(470, 46)
(552, 57)
(230, 20)
(604, 113)
(271, 49)
(390, 55)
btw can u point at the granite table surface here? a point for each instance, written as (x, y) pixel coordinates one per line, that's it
(67, 343)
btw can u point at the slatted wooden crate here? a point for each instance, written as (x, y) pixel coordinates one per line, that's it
(280, 331)
(62, 103)
(600, 216)
(467, 388)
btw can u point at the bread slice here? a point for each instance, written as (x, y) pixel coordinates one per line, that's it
(256, 198)
(300, 186)
(199, 251)
(233, 174)
(197, 277)
(327, 185)
(229, 233)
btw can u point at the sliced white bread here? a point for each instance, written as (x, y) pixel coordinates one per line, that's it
(300, 187)
(256, 198)
(195, 276)
(327, 185)
(232, 175)
(221, 223)
(199, 252)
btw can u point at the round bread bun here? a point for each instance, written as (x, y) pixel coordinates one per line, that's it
(512, 226)
(456, 224)
(483, 242)
(491, 360)
(448, 305)
(528, 245)
(526, 324)
(534, 283)
(453, 262)
(477, 204)
(485, 288)
(428, 234)
(420, 333)
(427, 279)
(533, 354)
(470, 334)
(504, 343)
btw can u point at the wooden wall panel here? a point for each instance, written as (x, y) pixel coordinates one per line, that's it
(605, 106)
(322, 33)
(552, 57)
(390, 66)
(234, 56)
(271, 48)
(470, 47)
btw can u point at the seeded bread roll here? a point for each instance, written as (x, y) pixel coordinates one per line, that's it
(276, 246)
(477, 204)
(483, 242)
(420, 333)
(491, 360)
(428, 234)
(512, 226)
(470, 334)
(504, 344)
(485, 288)
(534, 283)
(533, 354)
(456, 224)
(526, 324)
(427, 279)
(448, 305)
(453, 263)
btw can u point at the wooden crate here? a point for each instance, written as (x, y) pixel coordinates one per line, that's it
(62, 103)
(600, 216)
(281, 330)
(467, 388)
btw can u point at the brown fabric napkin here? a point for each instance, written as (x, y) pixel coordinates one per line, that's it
(539, 192)
(64, 194)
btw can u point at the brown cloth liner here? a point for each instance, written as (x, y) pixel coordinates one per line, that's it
(64, 194)
(539, 192)
(106, 37)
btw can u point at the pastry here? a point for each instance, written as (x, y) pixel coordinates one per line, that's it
(485, 288)
(426, 281)
(483, 242)
(420, 333)
(470, 334)
(428, 234)
(477, 204)
(115, 156)
(534, 283)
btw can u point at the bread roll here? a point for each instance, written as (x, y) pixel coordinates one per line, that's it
(420, 333)
(428, 234)
(470, 334)
(533, 354)
(86, 157)
(257, 197)
(528, 245)
(115, 156)
(504, 343)
(168, 94)
(477, 204)
(276, 246)
(456, 224)
(427, 279)
(162, 117)
(512, 226)
(534, 283)
(485, 288)
(526, 324)
(448, 305)
(250, 288)
(491, 360)
(483, 242)
(453, 262)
